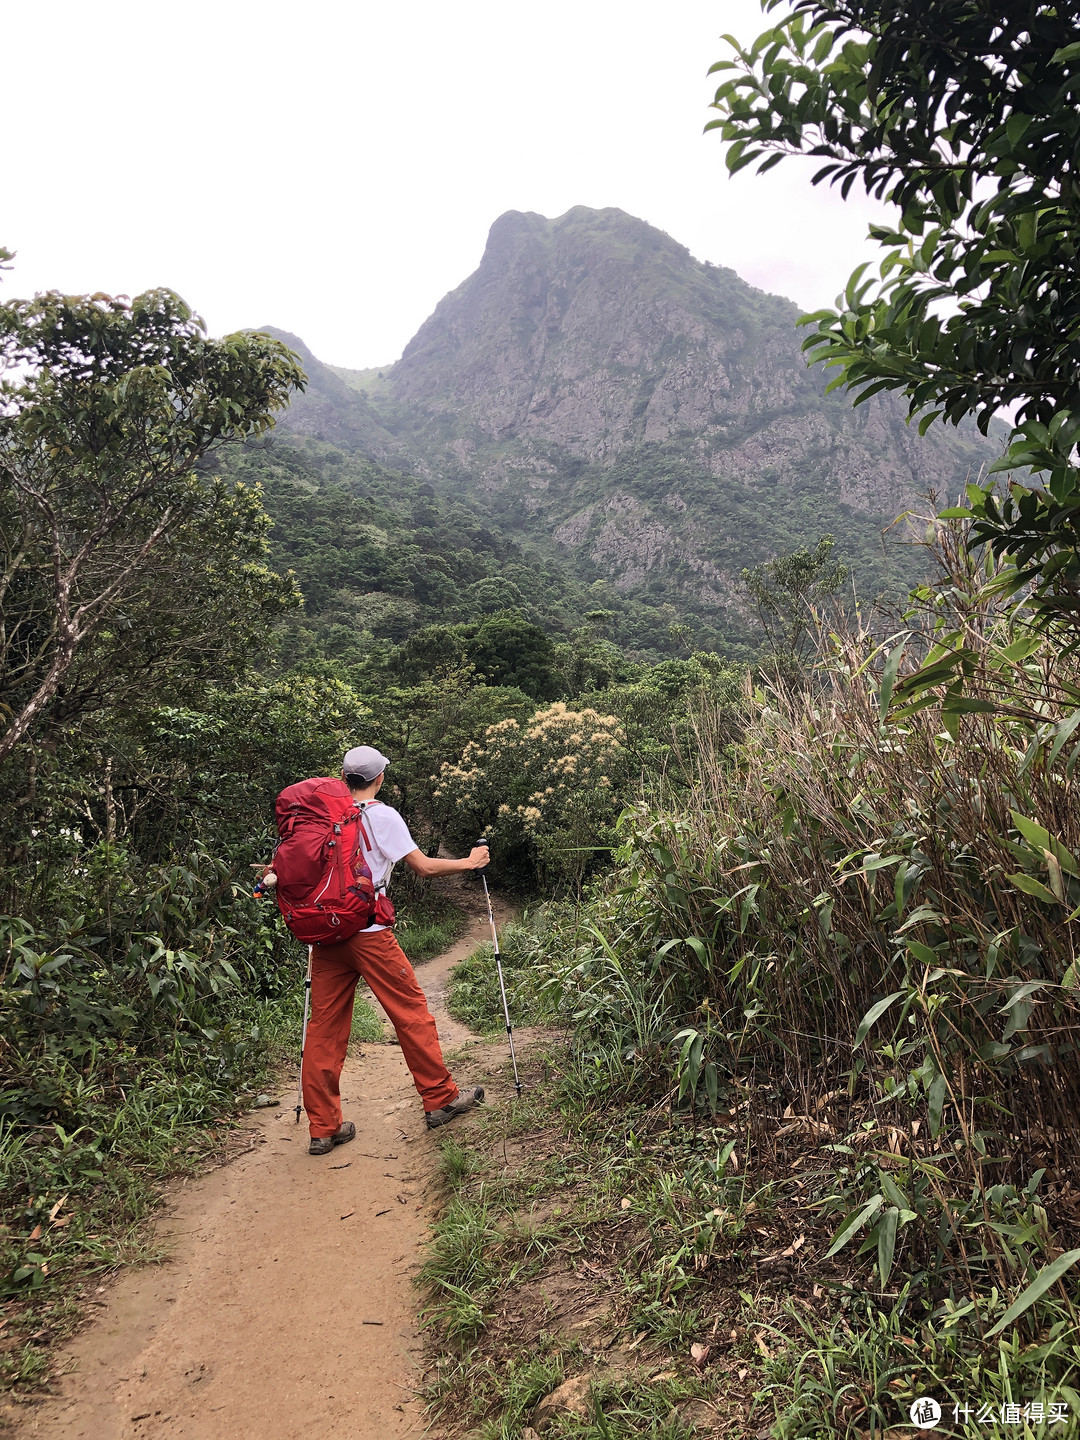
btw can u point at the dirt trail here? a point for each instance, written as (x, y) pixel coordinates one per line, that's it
(255, 1325)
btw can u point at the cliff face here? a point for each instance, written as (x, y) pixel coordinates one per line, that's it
(591, 332)
(651, 415)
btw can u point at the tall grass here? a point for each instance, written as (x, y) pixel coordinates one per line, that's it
(871, 911)
(886, 837)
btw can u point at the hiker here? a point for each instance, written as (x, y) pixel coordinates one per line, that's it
(375, 954)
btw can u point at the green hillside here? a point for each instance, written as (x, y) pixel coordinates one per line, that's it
(381, 553)
(646, 420)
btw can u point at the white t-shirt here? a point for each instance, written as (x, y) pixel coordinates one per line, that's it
(390, 840)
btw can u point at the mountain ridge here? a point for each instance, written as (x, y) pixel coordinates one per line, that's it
(648, 416)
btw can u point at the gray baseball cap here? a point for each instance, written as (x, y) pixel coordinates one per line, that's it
(365, 761)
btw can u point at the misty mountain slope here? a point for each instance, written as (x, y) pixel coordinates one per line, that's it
(331, 409)
(650, 416)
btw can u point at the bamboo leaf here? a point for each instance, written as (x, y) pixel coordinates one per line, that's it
(1031, 832)
(886, 1242)
(874, 1014)
(899, 887)
(1062, 734)
(1022, 992)
(712, 1086)
(1049, 1275)
(891, 1190)
(967, 705)
(854, 1223)
(922, 953)
(698, 947)
(1031, 886)
(879, 862)
(888, 680)
(1022, 649)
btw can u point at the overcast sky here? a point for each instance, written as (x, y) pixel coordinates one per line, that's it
(333, 167)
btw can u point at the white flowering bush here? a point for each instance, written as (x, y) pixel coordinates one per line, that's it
(547, 791)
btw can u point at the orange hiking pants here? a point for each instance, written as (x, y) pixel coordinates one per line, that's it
(335, 970)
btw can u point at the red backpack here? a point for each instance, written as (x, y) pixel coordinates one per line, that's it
(325, 891)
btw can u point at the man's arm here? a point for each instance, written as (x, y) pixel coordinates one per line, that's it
(425, 865)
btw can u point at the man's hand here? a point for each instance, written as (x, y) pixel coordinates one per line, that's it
(422, 864)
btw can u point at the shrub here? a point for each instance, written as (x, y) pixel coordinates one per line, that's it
(876, 901)
(547, 792)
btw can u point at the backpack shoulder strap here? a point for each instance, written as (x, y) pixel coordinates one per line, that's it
(362, 806)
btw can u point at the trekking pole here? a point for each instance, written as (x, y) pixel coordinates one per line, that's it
(502, 983)
(303, 1036)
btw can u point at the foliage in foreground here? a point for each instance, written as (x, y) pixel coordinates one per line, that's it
(499, 1258)
(679, 1265)
(860, 933)
(965, 117)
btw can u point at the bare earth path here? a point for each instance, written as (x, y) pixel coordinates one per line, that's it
(255, 1325)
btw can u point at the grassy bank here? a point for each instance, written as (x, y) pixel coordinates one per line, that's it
(77, 1201)
(680, 1270)
(822, 1018)
(430, 927)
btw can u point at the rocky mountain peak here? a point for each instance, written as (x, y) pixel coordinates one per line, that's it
(649, 415)
(579, 331)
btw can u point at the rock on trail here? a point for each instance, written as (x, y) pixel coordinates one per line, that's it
(286, 1308)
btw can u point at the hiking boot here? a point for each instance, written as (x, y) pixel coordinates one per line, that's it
(323, 1144)
(463, 1103)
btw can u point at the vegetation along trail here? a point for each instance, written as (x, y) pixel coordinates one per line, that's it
(286, 1306)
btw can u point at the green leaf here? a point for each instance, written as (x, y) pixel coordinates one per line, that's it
(965, 705)
(712, 1086)
(1022, 649)
(878, 862)
(888, 679)
(1062, 734)
(1017, 126)
(936, 1103)
(899, 886)
(874, 1014)
(852, 1224)
(1019, 1015)
(1049, 1275)
(922, 953)
(1033, 833)
(1041, 840)
(891, 1190)
(1022, 992)
(886, 1242)
(698, 947)
(1031, 886)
